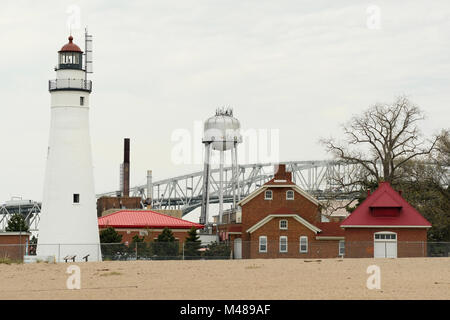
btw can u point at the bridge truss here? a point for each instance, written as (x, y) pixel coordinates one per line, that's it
(185, 192)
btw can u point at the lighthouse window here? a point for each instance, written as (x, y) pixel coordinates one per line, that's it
(81, 101)
(76, 198)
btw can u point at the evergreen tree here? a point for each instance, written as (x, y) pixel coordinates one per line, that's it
(111, 247)
(165, 246)
(192, 244)
(166, 236)
(17, 223)
(110, 235)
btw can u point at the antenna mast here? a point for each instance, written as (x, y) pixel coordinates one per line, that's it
(87, 53)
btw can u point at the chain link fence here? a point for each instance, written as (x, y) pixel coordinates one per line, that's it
(225, 250)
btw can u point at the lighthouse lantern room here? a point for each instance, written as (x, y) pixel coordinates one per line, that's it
(70, 56)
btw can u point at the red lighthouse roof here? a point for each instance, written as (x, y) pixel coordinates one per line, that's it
(385, 208)
(70, 47)
(144, 219)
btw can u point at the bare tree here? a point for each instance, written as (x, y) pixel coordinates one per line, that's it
(442, 155)
(377, 145)
(381, 141)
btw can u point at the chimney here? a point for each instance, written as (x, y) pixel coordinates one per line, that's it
(368, 192)
(126, 168)
(400, 192)
(280, 172)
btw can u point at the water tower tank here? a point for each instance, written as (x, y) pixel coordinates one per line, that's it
(222, 130)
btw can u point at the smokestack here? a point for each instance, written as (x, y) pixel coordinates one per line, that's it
(126, 167)
(149, 188)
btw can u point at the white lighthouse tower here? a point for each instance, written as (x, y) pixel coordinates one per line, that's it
(68, 224)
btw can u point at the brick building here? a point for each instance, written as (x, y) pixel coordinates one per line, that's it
(280, 220)
(13, 245)
(145, 223)
(104, 204)
(385, 225)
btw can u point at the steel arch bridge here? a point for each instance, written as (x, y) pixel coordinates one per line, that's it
(185, 192)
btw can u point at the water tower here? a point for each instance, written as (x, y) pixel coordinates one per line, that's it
(221, 133)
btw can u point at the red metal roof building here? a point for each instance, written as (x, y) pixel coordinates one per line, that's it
(387, 224)
(385, 208)
(145, 223)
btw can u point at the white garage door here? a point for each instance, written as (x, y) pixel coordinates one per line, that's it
(385, 245)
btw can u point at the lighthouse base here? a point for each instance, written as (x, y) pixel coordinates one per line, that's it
(66, 252)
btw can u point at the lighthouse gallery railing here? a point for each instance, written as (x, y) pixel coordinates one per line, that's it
(70, 84)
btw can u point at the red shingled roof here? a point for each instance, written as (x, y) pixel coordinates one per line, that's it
(330, 229)
(385, 198)
(144, 219)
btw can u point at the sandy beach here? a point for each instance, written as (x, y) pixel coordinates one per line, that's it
(408, 278)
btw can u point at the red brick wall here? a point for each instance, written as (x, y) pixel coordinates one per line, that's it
(258, 208)
(316, 248)
(411, 242)
(10, 248)
(106, 203)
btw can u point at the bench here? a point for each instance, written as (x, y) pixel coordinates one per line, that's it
(86, 257)
(69, 258)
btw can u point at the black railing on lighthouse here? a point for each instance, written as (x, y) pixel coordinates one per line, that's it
(70, 84)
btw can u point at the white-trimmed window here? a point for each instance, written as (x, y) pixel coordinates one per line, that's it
(262, 244)
(283, 224)
(341, 247)
(81, 101)
(76, 198)
(385, 235)
(283, 244)
(303, 244)
(268, 195)
(290, 195)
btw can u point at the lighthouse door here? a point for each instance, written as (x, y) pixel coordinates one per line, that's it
(385, 245)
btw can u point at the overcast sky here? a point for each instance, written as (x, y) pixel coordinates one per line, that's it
(303, 67)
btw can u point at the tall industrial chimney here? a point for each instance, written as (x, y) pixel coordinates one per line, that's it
(126, 168)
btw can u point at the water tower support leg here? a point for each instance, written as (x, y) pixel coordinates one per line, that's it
(205, 193)
(221, 187)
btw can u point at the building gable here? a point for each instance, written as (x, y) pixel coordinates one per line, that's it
(296, 217)
(385, 208)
